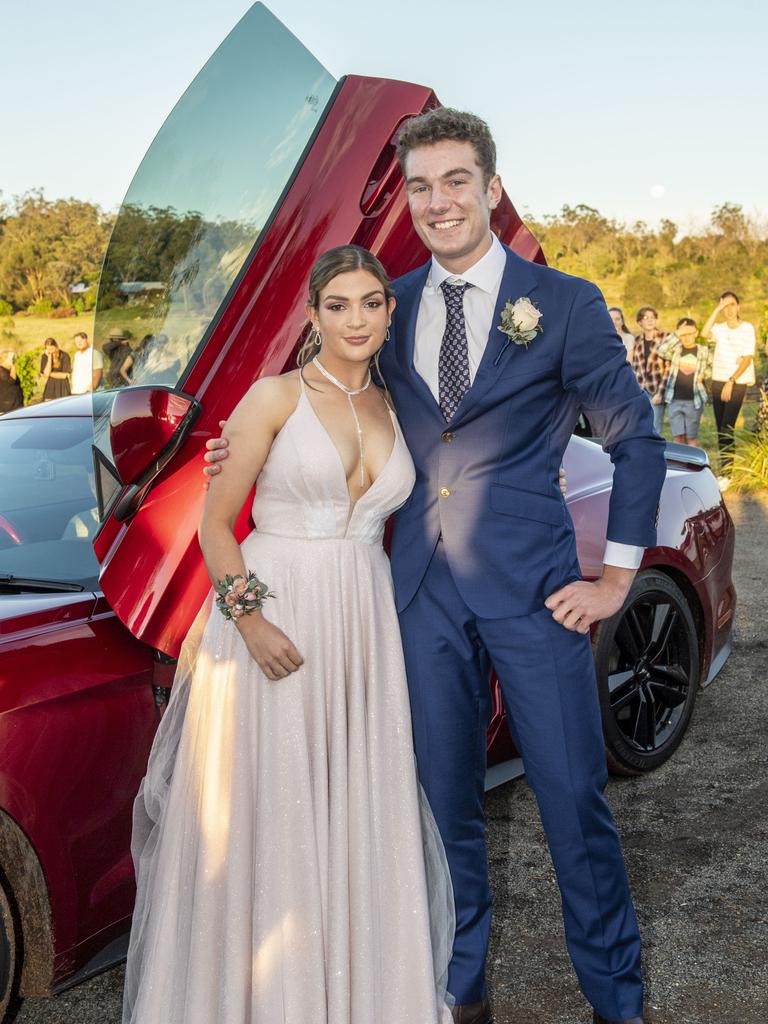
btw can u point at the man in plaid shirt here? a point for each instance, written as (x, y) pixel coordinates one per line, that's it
(650, 369)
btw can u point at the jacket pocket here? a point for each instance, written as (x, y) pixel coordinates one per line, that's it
(527, 505)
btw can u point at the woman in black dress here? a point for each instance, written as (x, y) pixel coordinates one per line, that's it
(11, 395)
(55, 367)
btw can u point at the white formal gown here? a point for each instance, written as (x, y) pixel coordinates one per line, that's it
(288, 867)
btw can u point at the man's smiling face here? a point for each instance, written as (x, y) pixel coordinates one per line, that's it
(449, 202)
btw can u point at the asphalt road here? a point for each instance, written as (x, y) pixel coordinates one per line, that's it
(695, 835)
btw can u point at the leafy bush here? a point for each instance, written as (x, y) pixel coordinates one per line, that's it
(7, 330)
(749, 465)
(62, 312)
(42, 307)
(6, 309)
(27, 370)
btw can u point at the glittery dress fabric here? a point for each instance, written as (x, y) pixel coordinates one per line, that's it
(288, 866)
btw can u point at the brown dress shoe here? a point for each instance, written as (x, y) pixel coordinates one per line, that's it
(597, 1019)
(473, 1013)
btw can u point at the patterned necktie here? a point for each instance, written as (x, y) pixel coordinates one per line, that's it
(453, 364)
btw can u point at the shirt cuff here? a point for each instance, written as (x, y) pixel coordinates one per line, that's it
(623, 556)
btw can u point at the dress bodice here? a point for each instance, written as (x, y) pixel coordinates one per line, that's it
(302, 489)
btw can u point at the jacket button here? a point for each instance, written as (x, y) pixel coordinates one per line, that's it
(444, 492)
(446, 436)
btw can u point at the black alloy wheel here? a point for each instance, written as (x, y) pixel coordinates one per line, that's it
(647, 662)
(10, 965)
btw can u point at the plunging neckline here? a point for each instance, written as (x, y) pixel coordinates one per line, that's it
(352, 503)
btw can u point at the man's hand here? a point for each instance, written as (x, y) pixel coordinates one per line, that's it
(216, 450)
(657, 398)
(579, 604)
(563, 481)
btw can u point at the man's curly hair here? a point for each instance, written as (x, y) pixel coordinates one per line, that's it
(446, 124)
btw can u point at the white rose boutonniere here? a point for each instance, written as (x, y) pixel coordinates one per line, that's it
(520, 322)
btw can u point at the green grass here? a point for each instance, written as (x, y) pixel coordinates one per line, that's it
(708, 432)
(31, 331)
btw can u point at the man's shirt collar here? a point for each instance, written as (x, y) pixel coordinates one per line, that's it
(485, 274)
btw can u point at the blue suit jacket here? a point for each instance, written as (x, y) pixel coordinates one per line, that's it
(506, 530)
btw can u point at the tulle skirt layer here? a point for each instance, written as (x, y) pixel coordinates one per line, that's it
(289, 870)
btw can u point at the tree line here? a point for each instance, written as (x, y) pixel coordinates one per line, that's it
(46, 246)
(677, 273)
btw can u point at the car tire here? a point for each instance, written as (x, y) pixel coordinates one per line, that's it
(647, 664)
(10, 958)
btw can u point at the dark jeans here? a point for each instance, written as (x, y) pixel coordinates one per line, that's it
(726, 414)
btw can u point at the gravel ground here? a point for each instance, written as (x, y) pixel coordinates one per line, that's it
(695, 835)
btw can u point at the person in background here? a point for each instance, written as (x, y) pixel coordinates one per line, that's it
(135, 359)
(87, 366)
(55, 368)
(762, 413)
(690, 364)
(117, 349)
(649, 369)
(11, 395)
(733, 371)
(622, 330)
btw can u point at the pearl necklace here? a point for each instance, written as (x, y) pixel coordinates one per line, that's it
(349, 392)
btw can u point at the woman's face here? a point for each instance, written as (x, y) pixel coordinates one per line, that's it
(616, 317)
(352, 316)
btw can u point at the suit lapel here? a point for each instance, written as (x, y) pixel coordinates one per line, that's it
(407, 313)
(517, 281)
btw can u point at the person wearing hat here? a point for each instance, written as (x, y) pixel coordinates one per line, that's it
(117, 350)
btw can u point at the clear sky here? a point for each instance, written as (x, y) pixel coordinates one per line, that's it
(643, 110)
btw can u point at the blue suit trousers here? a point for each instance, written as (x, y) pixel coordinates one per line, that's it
(547, 678)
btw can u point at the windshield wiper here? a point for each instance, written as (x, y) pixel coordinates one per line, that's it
(7, 579)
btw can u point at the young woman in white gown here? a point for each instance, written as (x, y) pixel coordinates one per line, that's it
(288, 868)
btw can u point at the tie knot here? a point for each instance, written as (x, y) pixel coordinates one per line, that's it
(454, 293)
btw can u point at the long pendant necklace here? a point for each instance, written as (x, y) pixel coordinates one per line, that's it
(349, 392)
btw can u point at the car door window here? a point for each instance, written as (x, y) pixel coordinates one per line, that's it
(48, 513)
(202, 196)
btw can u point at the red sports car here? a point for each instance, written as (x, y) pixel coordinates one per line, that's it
(265, 162)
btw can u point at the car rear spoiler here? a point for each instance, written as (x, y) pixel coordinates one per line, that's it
(686, 454)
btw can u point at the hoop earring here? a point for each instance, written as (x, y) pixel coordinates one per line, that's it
(318, 339)
(386, 336)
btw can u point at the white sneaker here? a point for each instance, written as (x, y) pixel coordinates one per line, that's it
(723, 482)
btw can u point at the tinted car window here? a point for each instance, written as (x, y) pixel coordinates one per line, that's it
(48, 513)
(203, 193)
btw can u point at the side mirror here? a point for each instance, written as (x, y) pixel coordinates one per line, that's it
(147, 425)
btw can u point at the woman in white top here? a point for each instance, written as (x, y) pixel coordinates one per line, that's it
(622, 330)
(733, 371)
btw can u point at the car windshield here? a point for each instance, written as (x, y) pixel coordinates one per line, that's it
(201, 197)
(48, 513)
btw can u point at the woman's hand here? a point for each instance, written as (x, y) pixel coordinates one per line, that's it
(727, 392)
(269, 647)
(657, 398)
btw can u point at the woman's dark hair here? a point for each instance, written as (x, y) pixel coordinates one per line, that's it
(616, 309)
(646, 309)
(56, 354)
(687, 320)
(444, 124)
(341, 260)
(732, 295)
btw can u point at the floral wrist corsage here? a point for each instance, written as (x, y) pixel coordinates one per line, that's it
(239, 595)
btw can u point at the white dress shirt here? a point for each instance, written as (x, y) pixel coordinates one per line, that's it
(479, 306)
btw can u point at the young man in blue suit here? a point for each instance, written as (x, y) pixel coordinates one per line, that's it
(484, 555)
